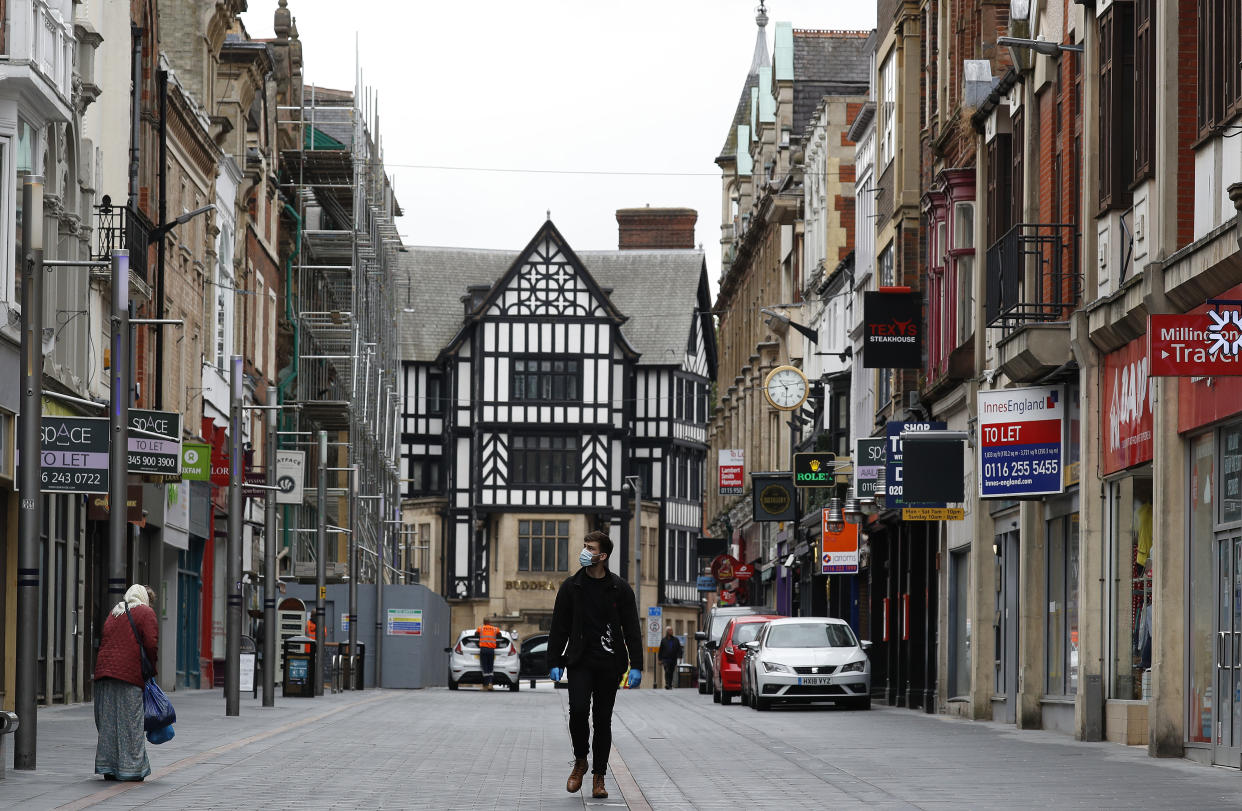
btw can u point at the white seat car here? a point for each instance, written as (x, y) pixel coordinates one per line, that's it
(464, 667)
(802, 659)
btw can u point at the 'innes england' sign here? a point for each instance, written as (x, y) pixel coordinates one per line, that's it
(1193, 345)
(1021, 441)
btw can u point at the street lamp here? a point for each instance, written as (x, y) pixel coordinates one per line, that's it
(853, 508)
(836, 517)
(1039, 46)
(881, 488)
(812, 334)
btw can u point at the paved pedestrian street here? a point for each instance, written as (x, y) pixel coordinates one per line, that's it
(672, 750)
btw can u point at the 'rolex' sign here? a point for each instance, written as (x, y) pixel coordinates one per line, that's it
(814, 470)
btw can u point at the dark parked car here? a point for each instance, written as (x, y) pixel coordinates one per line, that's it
(534, 659)
(709, 640)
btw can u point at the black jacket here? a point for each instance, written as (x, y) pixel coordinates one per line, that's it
(670, 649)
(565, 643)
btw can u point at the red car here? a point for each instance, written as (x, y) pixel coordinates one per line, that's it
(727, 675)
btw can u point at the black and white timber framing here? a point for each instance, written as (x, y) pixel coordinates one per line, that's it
(534, 382)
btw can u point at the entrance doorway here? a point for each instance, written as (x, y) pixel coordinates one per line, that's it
(1228, 687)
(1005, 625)
(189, 597)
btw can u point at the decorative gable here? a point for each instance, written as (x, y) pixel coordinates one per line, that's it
(548, 280)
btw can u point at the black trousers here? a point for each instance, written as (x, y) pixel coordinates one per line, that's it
(592, 691)
(487, 659)
(670, 669)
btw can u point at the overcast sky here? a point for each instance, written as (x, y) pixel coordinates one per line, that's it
(645, 89)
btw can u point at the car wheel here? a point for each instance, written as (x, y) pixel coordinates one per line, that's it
(515, 686)
(452, 685)
(715, 696)
(726, 697)
(762, 703)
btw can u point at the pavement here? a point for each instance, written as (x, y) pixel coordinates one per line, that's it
(675, 749)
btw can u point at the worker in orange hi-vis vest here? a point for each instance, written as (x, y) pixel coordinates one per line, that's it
(312, 631)
(487, 651)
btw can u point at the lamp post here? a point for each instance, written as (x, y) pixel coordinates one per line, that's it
(232, 578)
(636, 485)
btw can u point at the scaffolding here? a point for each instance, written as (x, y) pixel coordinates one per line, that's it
(342, 309)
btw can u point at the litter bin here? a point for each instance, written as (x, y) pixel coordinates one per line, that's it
(685, 675)
(299, 673)
(352, 665)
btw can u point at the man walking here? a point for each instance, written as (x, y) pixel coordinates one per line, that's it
(487, 651)
(595, 633)
(670, 652)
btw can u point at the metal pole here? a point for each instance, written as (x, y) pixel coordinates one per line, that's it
(232, 584)
(118, 527)
(158, 286)
(353, 572)
(379, 588)
(28, 517)
(269, 559)
(321, 552)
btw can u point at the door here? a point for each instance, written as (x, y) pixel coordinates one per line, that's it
(1228, 733)
(1005, 624)
(189, 597)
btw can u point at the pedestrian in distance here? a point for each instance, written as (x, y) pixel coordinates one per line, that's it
(121, 751)
(670, 653)
(595, 635)
(487, 651)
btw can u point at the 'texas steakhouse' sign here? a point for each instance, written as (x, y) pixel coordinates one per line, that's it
(892, 334)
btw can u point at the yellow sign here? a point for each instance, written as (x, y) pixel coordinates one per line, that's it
(933, 514)
(323, 592)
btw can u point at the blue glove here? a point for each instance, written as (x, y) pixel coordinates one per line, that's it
(636, 678)
(555, 673)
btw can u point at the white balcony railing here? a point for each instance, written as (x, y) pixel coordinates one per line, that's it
(40, 35)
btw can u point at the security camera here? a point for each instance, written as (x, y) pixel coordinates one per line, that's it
(990, 375)
(789, 561)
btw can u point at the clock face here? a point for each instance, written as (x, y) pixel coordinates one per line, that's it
(786, 388)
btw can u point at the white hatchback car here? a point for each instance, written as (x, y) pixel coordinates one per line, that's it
(808, 659)
(464, 667)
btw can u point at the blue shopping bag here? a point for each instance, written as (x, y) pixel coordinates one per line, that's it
(161, 735)
(157, 710)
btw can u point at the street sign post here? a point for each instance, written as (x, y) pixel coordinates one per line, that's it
(149, 455)
(1021, 441)
(73, 455)
(655, 619)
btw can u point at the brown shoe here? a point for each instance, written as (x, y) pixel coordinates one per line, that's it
(597, 787)
(574, 782)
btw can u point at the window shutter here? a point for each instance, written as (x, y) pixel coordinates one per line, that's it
(1144, 90)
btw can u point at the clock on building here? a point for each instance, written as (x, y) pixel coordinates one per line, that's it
(786, 388)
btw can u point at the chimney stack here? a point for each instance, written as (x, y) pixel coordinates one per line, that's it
(655, 228)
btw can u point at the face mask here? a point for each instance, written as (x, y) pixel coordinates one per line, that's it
(585, 557)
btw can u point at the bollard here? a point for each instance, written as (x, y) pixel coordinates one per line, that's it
(8, 725)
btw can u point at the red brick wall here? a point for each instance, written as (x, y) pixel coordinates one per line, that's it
(655, 228)
(1187, 83)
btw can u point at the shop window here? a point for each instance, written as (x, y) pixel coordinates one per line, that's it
(959, 623)
(1062, 618)
(1130, 587)
(1200, 606)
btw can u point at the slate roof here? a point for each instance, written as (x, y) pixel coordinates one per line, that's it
(827, 63)
(656, 290)
(742, 116)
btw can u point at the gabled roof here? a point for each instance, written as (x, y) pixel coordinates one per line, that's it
(828, 63)
(657, 294)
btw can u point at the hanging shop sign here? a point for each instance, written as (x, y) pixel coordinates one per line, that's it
(891, 330)
(195, 461)
(1125, 408)
(1201, 344)
(814, 469)
(1021, 441)
(774, 497)
(706, 583)
(724, 568)
(743, 571)
(868, 460)
(731, 468)
(838, 551)
(290, 476)
(894, 457)
(73, 455)
(149, 455)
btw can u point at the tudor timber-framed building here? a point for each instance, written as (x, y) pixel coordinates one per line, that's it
(525, 411)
